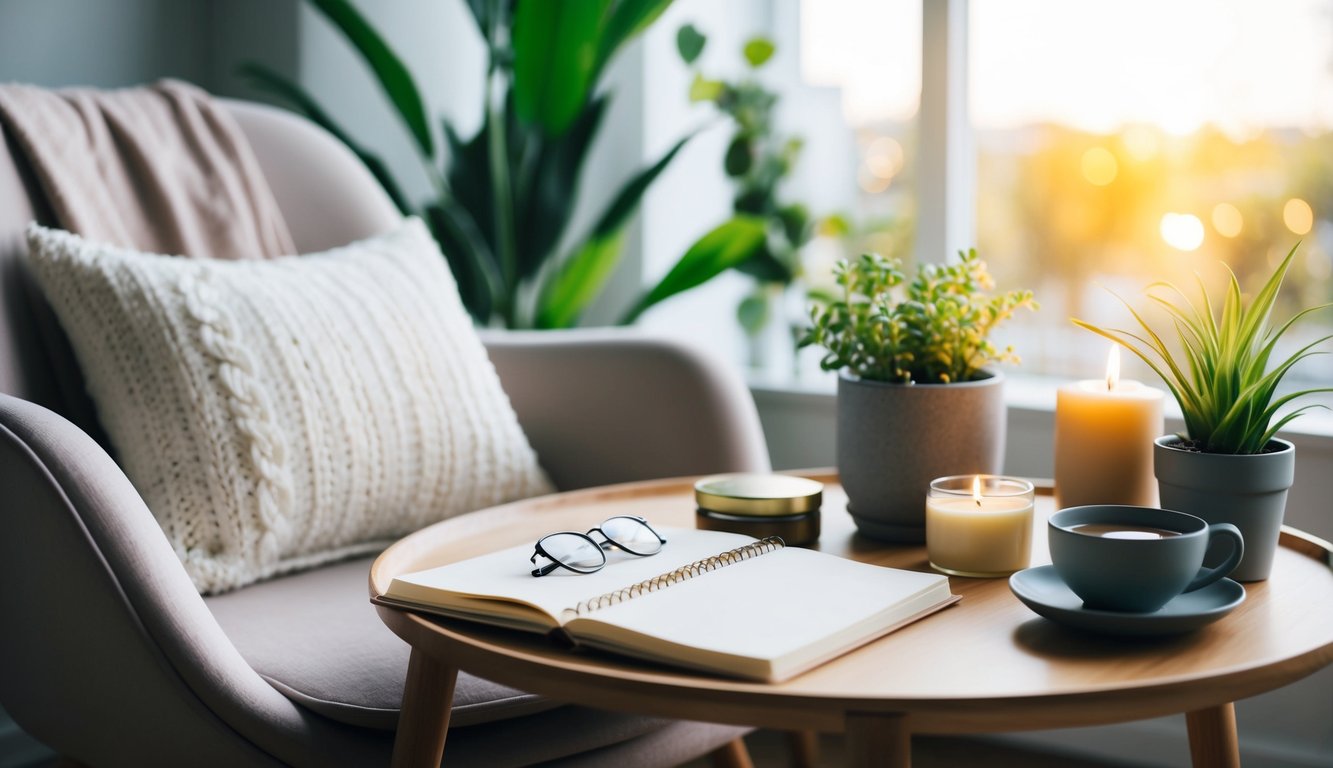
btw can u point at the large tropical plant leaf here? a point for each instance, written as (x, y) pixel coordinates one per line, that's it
(549, 187)
(579, 280)
(469, 177)
(631, 194)
(270, 81)
(581, 277)
(490, 15)
(727, 245)
(628, 18)
(388, 69)
(468, 255)
(555, 60)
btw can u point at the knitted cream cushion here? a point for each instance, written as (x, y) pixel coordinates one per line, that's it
(283, 413)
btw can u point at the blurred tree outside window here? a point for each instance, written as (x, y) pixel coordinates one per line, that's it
(1117, 143)
(1122, 143)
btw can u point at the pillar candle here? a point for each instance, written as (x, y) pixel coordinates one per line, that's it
(1104, 431)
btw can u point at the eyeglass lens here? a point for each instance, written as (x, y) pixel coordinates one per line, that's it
(632, 535)
(574, 550)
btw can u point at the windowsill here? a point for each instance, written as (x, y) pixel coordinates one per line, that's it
(1022, 392)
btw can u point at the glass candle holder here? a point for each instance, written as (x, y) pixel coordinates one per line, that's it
(979, 525)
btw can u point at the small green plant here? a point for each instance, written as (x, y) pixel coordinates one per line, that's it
(934, 329)
(1224, 385)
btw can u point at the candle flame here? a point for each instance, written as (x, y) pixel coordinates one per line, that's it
(976, 489)
(1113, 368)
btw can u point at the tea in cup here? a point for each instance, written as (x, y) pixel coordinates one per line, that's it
(1135, 559)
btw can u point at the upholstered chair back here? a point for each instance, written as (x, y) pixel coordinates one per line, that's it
(326, 196)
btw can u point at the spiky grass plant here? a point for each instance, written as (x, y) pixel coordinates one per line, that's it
(1224, 385)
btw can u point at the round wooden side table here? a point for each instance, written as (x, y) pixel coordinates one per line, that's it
(987, 664)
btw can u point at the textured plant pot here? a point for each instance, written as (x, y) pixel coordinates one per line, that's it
(1250, 492)
(893, 439)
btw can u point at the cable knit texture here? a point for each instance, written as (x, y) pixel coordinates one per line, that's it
(280, 414)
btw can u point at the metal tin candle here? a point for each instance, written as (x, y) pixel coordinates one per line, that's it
(760, 505)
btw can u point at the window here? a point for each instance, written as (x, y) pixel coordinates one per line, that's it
(1127, 142)
(1105, 144)
(866, 54)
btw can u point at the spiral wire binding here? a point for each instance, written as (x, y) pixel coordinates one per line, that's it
(683, 573)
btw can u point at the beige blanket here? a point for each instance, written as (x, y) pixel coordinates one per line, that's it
(159, 168)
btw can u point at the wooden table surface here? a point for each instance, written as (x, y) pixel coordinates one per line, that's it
(987, 664)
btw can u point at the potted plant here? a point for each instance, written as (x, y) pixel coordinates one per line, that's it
(1228, 466)
(505, 197)
(916, 398)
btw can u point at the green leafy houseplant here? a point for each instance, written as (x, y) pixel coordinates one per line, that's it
(1223, 378)
(931, 329)
(503, 198)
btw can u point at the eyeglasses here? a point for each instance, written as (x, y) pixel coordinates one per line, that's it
(581, 553)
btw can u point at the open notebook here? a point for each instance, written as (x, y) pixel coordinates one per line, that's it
(712, 601)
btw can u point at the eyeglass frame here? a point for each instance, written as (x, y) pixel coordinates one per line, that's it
(601, 546)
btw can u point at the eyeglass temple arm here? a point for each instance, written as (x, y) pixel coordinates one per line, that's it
(545, 569)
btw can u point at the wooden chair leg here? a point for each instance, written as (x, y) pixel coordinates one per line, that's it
(733, 754)
(1213, 739)
(804, 747)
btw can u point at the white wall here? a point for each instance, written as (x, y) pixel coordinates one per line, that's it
(1288, 728)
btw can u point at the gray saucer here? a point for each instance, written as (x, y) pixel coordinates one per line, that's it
(1042, 590)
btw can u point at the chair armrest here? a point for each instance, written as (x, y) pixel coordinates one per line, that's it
(614, 405)
(109, 654)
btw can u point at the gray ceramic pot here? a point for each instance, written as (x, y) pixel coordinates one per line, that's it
(1250, 492)
(893, 439)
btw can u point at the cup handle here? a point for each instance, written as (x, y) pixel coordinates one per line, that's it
(1211, 575)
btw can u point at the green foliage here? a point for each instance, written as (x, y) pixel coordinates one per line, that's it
(758, 160)
(690, 43)
(1222, 379)
(505, 196)
(727, 246)
(931, 329)
(758, 51)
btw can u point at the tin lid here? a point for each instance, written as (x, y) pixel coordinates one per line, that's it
(758, 494)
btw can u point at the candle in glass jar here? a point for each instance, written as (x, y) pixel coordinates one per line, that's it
(1104, 432)
(979, 525)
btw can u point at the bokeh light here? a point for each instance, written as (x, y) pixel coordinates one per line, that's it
(884, 157)
(1182, 231)
(1298, 216)
(1227, 220)
(1099, 166)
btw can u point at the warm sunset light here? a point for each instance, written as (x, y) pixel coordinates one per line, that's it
(1298, 216)
(1099, 166)
(1112, 368)
(1182, 231)
(1227, 220)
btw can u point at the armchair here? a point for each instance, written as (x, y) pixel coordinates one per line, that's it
(110, 656)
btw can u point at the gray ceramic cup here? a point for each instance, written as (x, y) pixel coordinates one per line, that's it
(1113, 572)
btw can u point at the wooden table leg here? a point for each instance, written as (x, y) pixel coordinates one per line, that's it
(804, 747)
(428, 697)
(1213, 741)
(882, 740)
(733, 754)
